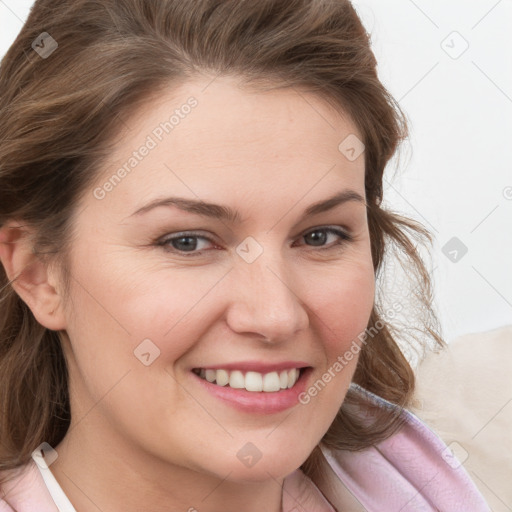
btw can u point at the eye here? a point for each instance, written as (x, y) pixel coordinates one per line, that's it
(183, 243)
(312, 236)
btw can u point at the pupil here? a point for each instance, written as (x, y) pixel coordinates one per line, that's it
(320, 238)
(189, 239)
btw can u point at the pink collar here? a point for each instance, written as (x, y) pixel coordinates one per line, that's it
(411, 471)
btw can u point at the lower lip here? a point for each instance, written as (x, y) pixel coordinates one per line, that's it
(258, 402)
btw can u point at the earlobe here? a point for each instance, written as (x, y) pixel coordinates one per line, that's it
(29, 276)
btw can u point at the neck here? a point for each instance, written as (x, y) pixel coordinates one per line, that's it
(113, 475)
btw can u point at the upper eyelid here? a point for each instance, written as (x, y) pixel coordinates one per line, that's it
(196, 234)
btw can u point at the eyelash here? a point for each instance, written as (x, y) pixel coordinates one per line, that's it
(344, 238)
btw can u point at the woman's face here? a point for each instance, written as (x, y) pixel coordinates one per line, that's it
(159, 294)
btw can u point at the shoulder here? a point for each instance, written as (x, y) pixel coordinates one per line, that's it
(23, 490)
(413, 470)
(465, 393)
(489, 352)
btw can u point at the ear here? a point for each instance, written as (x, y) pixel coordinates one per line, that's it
(29, 276)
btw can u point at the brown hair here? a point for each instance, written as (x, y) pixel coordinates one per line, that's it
(60, 113)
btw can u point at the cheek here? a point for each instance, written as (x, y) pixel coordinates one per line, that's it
(174, 309)
(115, 315)
(343, 305)
(125, 303)
(118, 305)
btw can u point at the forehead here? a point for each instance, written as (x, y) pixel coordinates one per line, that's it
(214, 139)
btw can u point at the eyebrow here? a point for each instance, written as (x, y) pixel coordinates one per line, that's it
(218, 211)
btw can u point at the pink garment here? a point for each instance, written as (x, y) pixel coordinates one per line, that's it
(412, 471)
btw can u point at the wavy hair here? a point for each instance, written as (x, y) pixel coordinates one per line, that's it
(59, 114)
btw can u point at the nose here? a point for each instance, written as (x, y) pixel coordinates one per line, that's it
(264, 302)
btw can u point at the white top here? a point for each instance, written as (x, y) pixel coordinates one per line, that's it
(55, 490)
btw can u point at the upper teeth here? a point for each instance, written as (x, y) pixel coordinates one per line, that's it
(252, 381)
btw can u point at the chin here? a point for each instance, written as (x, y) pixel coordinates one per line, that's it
(261, 471)
(251, 465)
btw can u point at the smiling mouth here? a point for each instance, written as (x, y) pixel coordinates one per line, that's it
(251, 381)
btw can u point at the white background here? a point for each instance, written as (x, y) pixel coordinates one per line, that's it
(454, 173)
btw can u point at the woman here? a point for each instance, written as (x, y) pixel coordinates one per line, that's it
(191, 231)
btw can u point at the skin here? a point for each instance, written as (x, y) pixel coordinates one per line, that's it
(149, 437)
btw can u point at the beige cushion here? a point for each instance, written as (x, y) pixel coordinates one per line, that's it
(464, 393)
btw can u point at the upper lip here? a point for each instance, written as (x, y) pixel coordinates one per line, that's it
(256, 366)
